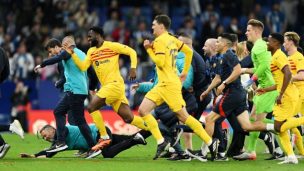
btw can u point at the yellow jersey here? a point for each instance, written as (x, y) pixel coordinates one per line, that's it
(278, 62)
(105, 61)
(163, 53)
(296, 62)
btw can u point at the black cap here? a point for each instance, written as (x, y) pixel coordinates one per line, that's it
(279, 37)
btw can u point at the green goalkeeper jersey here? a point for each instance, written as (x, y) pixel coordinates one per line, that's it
(261, 60)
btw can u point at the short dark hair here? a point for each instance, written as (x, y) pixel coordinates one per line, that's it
(234, 37)
(227, 36)
(97, 30)
(256, 23)
(52, 43)
(279, 37)
(163, 19)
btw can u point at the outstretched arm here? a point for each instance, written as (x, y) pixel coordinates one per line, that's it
(126, 50)
(53, 60)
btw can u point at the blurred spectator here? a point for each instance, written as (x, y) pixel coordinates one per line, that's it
(33, 41)
(23, 63)
(234, 27)
(111, 24)
(290, 10)
(81, 15)
(210, 27)
(139, 34)
(92, 19)
(2, 33)
(20, 101)
(275, 20)
(195, 7)
(259, 14)
(205, 16)
(114, 7)
(135, 18)
(189, 27)
(121, 34)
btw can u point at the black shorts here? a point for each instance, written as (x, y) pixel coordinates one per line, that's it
(233, 101)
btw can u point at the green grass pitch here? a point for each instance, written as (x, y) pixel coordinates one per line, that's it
(138, 158)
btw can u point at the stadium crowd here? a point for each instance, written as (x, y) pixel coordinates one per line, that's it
(214, 26)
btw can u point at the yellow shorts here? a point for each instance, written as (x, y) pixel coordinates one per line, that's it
(285, 110)
(114, 93)
(170, 94)
(300, 106)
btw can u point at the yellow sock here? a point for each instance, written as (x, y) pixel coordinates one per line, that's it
(292, 123)
(198, 129)
(139, 123)
(98, 120)
(285, 142)
(299, 140)
(153, 128)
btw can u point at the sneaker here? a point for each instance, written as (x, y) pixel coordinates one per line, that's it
(213, 147)
(57, 147)
(179, 157)
(245, 156)
(197, 154)
(16, 128)
(102, 143)
(4, 149)
(80, 153)
(139, 139)
(290, 160)
(179, 132)
(162, 149)
(220, 157)
(92, 154)
(269, 143)
(276, 156)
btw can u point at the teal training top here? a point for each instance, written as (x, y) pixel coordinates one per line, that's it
(76, 80)
(76, 141)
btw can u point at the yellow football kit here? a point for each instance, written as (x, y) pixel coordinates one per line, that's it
(289, 101)
(105, 63)
(296, 62)
(168, 89)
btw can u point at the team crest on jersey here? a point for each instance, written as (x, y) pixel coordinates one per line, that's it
(214, 65)
(221, 61)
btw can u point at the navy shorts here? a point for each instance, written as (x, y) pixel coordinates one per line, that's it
(234, 101)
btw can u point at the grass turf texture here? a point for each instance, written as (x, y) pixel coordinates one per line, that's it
(136, 158)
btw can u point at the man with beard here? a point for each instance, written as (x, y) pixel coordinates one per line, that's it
(104, 56)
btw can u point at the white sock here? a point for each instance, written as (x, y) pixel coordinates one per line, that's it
(105, 137)
(209, 143)
(160, 141)
(278, 150)
(269, 127)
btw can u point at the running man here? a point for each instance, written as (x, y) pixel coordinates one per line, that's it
(262, 104)
(104, 56)
(163, 51)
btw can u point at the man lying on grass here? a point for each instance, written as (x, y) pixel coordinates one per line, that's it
(76, 141)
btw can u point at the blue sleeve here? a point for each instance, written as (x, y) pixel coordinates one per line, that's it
(55, 59)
